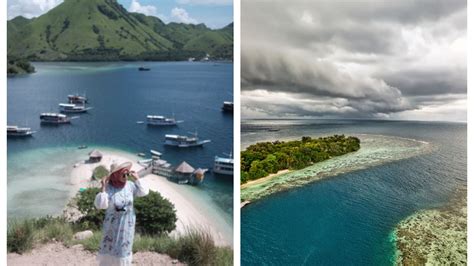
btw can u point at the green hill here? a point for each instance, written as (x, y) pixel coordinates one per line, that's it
(104, 30)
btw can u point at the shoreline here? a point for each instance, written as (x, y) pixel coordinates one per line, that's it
(191, 211)
(374, 150)
(263, 179)
(434, 236)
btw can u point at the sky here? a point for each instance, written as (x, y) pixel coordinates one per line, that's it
(403, 60)
(213, 13)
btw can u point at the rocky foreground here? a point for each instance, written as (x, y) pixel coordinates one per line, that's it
(435, 237)
(56, 254)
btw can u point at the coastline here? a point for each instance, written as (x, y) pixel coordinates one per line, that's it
(263, 179)
(434, 236)
(375, 150)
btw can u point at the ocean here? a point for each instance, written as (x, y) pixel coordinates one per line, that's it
(39, 167)
(348, 219)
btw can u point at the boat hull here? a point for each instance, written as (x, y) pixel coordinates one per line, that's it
(218, 170)
(19, 135)
(55, 122)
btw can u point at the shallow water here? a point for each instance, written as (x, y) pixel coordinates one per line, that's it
(120, 96)
(349, 219)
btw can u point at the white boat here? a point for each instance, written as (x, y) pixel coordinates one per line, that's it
(159, 120)
(224, 165)
(156, 153)
(184, 141)
(73, 108)
(15, 131)
(145, 162)
(54, 118)
(77, 99)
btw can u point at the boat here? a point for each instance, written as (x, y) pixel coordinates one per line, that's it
(273, 129)
(82, 147)
(15, 131)
(228, 107)
(184, 141)
(77, 99)
(158, 120)
(73, 108)
(145, 162)
(54, 118)
(156, 153)
(142, 68)
(224, 165)
(141, 154)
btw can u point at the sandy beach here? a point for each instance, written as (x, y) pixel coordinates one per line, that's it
(191, 210)
(264, 179)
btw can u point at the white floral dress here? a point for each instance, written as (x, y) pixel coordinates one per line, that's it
(119, 223)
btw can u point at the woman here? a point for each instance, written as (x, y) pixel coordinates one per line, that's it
(119, 223)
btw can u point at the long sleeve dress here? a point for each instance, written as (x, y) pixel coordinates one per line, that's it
(119, 223)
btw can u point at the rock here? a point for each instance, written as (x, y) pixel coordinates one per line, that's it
(83, 235)
(78, 246)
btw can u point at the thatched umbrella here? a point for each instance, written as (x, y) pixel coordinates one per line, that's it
(95, 156)
(199, 173)
(184, 168)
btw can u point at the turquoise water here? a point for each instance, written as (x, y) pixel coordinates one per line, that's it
(39, 167)
(348, 219)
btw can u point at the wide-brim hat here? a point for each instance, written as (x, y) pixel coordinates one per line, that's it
(114, 167)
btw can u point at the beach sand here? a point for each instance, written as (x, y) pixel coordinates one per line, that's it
(264, 179)
(194, 210)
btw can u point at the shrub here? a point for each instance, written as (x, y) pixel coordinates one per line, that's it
(196, 247)
(155, 214)
(92, 218)
(20, 235)
(224, 256)
(57, 229)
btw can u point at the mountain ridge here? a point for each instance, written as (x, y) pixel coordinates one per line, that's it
(92, 30)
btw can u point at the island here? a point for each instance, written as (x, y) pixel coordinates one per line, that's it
(272, 166)
(264, 158)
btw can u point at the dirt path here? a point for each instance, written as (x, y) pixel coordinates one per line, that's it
(57, 254)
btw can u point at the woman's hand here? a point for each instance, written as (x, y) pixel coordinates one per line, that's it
(104, 183)
(134, 176)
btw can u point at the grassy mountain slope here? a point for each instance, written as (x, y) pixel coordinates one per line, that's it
(104, 30)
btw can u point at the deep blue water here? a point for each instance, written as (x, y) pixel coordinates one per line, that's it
(122, 95)
(348, 219)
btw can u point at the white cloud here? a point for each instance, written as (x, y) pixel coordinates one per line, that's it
(148, 10)
(181, 15)
(204, 2)
(30, 8)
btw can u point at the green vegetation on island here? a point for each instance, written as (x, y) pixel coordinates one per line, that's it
(264, 158)
(103, 30)
(19, 66)
(156, 217)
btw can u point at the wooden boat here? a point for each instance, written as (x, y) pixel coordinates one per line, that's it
(15, 131)
(184, 141)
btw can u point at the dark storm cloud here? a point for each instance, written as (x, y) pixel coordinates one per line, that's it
(374, 57)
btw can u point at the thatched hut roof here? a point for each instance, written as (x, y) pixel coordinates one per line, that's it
(199, 171)
(184, 168)
(95, 154)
